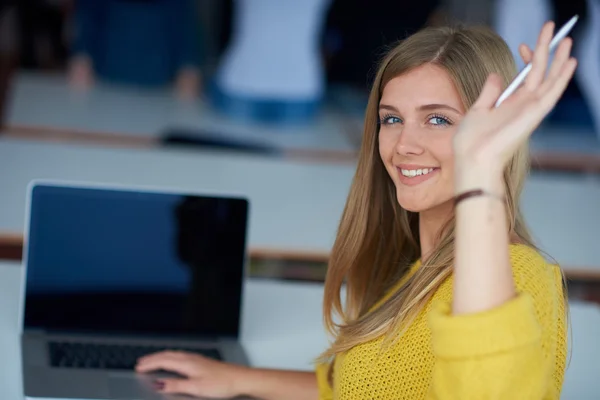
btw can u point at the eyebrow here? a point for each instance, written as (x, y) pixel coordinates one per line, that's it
(426, 107)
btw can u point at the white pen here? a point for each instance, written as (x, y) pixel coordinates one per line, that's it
(560, 35)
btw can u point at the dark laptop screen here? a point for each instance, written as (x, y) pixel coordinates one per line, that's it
(130, 262)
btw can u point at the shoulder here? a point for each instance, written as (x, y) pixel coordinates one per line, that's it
(532, 272)
(522, 254)
(524, 258)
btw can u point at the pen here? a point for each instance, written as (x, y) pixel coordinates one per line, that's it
(560, 35)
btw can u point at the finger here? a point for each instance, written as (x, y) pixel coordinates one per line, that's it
(535, 111)
(179, 363)
(177, 386)
(490, 92)
(165, 364)
(555, 91)
(526, 53)
(560, 58)
(157, 358)
(152, 355)
(159, 355)
(540, 57)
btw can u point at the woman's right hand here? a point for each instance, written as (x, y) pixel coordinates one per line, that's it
(203, 377)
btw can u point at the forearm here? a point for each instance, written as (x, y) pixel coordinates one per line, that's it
(267, 384)
(482, 272)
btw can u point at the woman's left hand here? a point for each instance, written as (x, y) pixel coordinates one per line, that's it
(488, 136)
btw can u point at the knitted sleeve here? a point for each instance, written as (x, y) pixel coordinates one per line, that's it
(515, 351)
(325, 390)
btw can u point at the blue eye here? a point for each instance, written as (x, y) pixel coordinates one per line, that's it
(389, 120)
(439, 120)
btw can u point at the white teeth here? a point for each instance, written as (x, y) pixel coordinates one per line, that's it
(416, 172)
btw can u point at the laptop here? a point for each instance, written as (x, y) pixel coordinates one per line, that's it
(114, 273)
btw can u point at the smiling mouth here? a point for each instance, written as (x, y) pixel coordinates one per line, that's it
(411, 173)
(415, 176)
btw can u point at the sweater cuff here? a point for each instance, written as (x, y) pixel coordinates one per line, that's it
(504, 328)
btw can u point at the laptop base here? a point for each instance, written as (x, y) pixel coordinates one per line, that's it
(43, 381)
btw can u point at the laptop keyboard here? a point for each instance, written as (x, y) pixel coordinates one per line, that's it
(102, 356)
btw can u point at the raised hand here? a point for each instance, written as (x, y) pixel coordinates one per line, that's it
(488, 136)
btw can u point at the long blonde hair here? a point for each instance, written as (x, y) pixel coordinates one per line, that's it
(378, 240)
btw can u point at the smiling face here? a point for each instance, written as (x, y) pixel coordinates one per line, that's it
(419, 113)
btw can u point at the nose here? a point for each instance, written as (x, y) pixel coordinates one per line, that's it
(408, 142)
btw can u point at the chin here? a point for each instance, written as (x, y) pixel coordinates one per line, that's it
(429, 208)
(412, 205)
(418, 204)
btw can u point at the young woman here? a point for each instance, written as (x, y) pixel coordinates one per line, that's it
(446, 296)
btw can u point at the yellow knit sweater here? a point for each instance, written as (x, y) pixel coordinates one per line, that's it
(515, 351)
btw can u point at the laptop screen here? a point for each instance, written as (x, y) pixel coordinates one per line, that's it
(131, 262)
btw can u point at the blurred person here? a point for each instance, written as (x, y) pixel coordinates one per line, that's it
(40, 26)
(271, 69)
(471, 12)
(7, 28)
(588, 52)
(446, 295)
(148, 43)
(355, 36)
(8, 49)
(8, 32)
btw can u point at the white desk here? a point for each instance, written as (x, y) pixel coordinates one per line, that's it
(295, 207)
(282, 328)
(43, 107)
(46, 102)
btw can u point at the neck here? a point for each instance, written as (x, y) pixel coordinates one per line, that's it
(431, 223)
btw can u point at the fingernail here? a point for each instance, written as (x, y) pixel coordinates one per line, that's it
(158, 385)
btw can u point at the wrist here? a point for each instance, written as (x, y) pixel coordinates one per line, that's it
(471, 177)
(243, 381)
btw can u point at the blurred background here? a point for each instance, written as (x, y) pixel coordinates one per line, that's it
(274, 79)
(170, 92)
(302, 66)
(269, 78)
